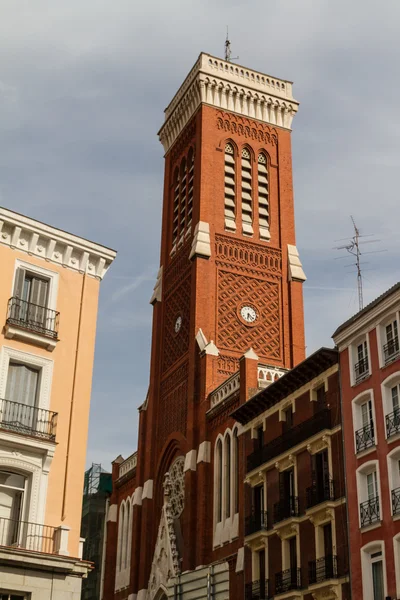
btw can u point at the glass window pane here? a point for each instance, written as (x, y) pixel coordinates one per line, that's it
(12, 480)
(395, 398)
(377, 580)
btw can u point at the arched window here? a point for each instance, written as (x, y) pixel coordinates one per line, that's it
(121, 527)
(227, 476)
(230, 208)
(126, 535)
(175, 217)
(263, 193)
(247, 203)
(182, 202)
(189, 215)
(218, 481)
(235, 471)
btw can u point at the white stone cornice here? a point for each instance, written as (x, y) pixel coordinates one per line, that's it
(229, 87)
(54, 245)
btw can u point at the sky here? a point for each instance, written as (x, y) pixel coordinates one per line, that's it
(83, 86)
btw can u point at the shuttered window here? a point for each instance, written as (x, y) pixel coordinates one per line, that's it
(247, 202)
(22, 384)
(190, 191)
(175, 216)
(263, 193)
(230, 209)
(31, 288)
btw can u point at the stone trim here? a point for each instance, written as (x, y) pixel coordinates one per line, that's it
(148, 489)
(54, 245)
(204, 454)
(190, 461)
(228, 86)
(296, 272)
(240, 560)
(157, 290)
(137, 496)
(112, 513)
(201, 245)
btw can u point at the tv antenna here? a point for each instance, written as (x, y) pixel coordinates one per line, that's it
(228, 51)
(353, 247)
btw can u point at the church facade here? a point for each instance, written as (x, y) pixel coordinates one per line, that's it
(227, 322)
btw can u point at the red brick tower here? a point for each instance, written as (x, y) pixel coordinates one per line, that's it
(230, 280)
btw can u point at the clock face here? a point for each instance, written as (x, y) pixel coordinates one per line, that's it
(178, 324)
(248, 314)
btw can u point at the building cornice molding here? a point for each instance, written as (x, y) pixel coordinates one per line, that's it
(221, 84)
(54, 245)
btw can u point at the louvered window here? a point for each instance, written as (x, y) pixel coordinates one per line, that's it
(189, 216)
(247, 204)
(175, 218)
(263, 205)
(182, 203)
(230, 216)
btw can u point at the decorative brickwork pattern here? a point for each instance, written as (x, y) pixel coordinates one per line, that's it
(173, 404)
(177, 304)
(247, 256)
(227, 365)
(178, 268)
(183, 141)
(251, 130)
(235, 290)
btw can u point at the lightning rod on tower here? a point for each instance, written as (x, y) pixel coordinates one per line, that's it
(228, 51)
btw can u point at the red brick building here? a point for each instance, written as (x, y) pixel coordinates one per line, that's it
(370, 377)
(228, 319)
(295, 507)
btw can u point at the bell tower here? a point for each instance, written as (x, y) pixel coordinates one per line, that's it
(230, 277)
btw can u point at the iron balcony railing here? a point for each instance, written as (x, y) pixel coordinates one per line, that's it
(322, 569)
(369, 511)
(28, 536)
(35, 318)
(295, 435)
(257, 521)
(396, 501)
(361, 369)
(391, 350)
(318, 493)
(393, 423)
(286, 508)
(257, 590)
(365, 437)
(287, 580)
(28, 420)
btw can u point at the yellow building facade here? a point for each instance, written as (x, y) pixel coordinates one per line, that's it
(49, 289)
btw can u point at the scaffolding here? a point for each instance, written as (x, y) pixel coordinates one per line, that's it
(97, 488)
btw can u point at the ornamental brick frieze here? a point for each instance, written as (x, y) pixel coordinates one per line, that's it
(177, 312)
(236, 290)
(248, 257)
(227, 365)
(172, 413)
(221, 414)
(249, 129)
(183, 142)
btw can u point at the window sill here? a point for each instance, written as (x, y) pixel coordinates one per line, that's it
(24, 335)
(363, 453)
(356, 383)
(393, 438)
(370, 527)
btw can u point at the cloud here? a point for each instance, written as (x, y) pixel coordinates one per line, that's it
(82, 93)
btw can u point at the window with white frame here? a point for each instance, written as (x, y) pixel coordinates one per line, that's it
(373, 571)
(391, 403)
(124, 544)
(369, 494)
(361, 362)
(364, 421)
(12, 496)
(393, 460)
(226, 479)
(390, 341)
(33, 302)
(13, 596)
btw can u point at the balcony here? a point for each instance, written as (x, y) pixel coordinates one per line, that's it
(31, 322)
(391, 350)
(396, 501)
(257, 521)
(322, 569)
(316, 494)
(28, 420)
(33, 536)
(295, 435)
(370, 512)
(365, 437)
(257, 590)
(361, 370)
(287, 580)
(393, 423)
(286, 508)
